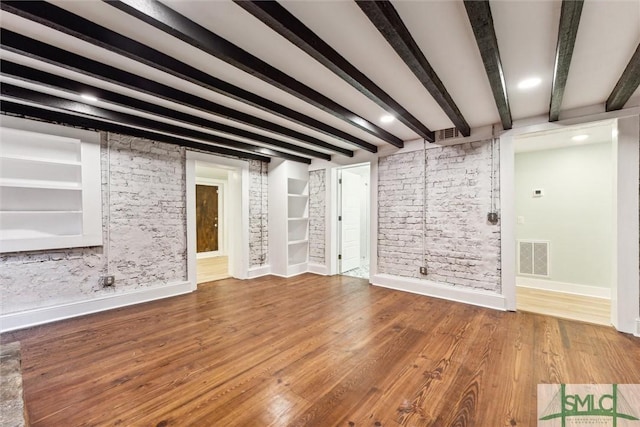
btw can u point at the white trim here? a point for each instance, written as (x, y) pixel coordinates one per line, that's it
(624, 310)
(438, 290)
(565, 288)
(263, 270)
(38, 316)
(637, 333)
(320, 269)
(238, 202)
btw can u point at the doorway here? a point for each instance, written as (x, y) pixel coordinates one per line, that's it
(217, 214)
(354, 220)
(565, 207)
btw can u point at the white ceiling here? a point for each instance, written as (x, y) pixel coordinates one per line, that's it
(608, 34)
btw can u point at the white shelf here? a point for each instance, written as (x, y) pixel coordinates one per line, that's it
(299, 218)
(45, 185)
(30, 159)
(302, 196)
(297, 242)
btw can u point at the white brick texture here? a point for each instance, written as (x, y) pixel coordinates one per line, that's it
(317, 210)
(461, 248)
(258, 214)
(146, 241)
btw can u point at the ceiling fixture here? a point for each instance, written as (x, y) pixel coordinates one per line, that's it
(579, 138)
(529, 83)
(89, 97)
(387, 118)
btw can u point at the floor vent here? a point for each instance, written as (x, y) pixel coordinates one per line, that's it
(449, 133)
(533, 258)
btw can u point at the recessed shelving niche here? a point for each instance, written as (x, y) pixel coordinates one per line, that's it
(50, 193)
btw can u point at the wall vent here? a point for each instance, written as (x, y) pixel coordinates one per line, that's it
(533, 258)
(449, 133)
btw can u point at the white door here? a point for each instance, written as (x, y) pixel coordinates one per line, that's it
(350, 224)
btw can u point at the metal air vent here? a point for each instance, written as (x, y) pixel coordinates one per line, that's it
(449, 133)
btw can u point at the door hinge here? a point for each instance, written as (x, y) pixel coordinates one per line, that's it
(339, 217)
(340, 181)
(339, 256)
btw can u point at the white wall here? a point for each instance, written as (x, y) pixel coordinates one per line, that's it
(575, 213)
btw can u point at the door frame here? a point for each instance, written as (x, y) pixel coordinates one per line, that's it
(238, 218)
(335, 266)
(625, 292)
(222, 215)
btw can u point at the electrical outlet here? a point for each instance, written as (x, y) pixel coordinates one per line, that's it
(423, 271)
(108, 281)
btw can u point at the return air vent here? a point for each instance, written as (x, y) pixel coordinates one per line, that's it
(533, 258)
(449, 133)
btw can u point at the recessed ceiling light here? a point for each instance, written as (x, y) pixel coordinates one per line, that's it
(387, 118)
(529, 83)
(89, 97)
(579, 138)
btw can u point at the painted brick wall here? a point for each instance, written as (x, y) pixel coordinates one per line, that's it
(317, 213)
(462, 248)
(146, 225)
(258, 214)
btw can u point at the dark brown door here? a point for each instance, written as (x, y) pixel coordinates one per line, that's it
(207, 217)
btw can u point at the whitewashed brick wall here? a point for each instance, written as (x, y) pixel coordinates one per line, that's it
(461, 247)
(147, 231)
(258, 213)
(317, 211)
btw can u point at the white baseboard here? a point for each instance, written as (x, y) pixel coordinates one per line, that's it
(321, 269)
(39, 316)
(567, 288)
(637, 328)
(260, 271)
(439, 290)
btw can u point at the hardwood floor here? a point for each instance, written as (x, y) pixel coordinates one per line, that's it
(567, 306)
(309, 351)
(210, 269)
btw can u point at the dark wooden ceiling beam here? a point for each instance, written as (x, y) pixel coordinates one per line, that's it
(26, 46)
(33, 112)
(32, 75)
(387, 20)
(19, 93)
(279, 19)
(69, 23)
(627, 84)
(567, 31)
(168, 20)
(479, 14)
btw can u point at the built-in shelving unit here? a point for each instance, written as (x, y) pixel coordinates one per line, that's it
(288, 217)
(49, 190)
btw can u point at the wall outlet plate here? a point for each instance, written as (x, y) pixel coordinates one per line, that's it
(423, 271)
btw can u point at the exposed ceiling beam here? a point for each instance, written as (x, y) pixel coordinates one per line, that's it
(69, 23)
(18, 93)
(168, 20)
(387, 20)
(32, 75)
(627, 85)
(569, 21)
(287, 25)
(29, 111)
(35, 49)
(481, 21)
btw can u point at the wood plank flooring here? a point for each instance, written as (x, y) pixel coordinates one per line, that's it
(309, 351)
(564, 305)
(210, 269)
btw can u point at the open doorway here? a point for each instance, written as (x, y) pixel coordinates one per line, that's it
(354, 213)
(565, 204)
(211, 214)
